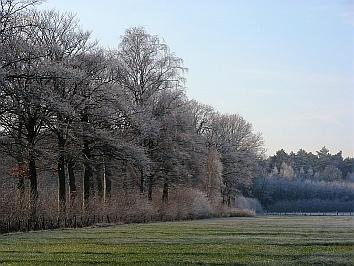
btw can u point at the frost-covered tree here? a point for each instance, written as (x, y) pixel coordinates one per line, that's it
(330, 173)
(151, 78)
(286, 171)
(23, 93)
(240, 148)
(63, 43)
(274, 171)
(110, 122)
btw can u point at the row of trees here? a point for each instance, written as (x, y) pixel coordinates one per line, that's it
(307, 182)
(118, 119)
(320, 166)
(279, 195)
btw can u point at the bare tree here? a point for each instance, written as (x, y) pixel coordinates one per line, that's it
(121, 119)
(62, 40)
(146, 69)
(239, 148)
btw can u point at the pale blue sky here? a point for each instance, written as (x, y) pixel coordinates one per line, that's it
(286, 66)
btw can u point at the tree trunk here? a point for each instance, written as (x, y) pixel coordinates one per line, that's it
(141, 181)
(22, 173)
(165, 191)
(20, 163)
(33, 175)
(100, 180)
(61, 176)
(87, 172)
(107, 180)
(150, 184)
(72, 182)
(86, 153)
(32, 171)
(33, 180)
(21, 185)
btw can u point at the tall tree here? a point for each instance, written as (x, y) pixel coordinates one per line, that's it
(62, 40)
(146, 69)
(240, 148)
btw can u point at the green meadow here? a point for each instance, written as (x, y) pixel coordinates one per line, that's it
(264, 240)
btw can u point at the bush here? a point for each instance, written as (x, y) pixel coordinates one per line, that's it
(187, 203)
(249, 204)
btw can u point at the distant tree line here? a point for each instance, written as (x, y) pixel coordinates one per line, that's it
(83, 122)
(319, 166)
(304, 181)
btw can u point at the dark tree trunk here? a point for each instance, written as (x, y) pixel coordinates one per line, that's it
(141, 181)
(61, 175)
(21, 185)
(20, 163)
(86, 153)
(149, 144)
(87, 172)
(32, 171)
(165, 191)
(33, 180)
(107, 180)
(100, 180)
(61, 159)
(72, 182)
(33, 175)
(150, 185)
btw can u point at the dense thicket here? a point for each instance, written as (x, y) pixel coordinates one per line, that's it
(94, 125)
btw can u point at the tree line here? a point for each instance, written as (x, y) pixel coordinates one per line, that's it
(94, 123)
(303, 181)
(91, 128)
(320, 166)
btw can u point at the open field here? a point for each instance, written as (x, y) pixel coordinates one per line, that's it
(252, 241)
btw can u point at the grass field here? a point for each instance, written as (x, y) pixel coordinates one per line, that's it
(245, 241)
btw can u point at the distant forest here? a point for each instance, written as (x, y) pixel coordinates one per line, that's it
(304, 181)
(320, 166)
(90, 131)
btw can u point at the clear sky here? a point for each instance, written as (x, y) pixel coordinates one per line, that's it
(286, 66)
